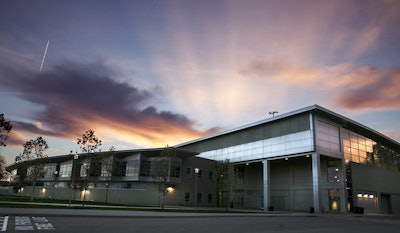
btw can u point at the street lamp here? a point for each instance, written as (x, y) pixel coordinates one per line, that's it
(76, 156)
(196, 172)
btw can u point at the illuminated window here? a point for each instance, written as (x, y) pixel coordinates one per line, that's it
(65, 170)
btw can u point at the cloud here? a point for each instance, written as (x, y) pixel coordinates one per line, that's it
(382, 91)
(348, 86)
(74, 98)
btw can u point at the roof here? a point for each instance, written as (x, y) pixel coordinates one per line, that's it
(346, 123)
(118, 154)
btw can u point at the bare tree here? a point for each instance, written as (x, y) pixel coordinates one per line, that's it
(31, 156)
(162, 171)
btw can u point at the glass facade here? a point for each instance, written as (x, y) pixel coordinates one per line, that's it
(49, 170)
(132, 168)
(360, 149)
(65, 170)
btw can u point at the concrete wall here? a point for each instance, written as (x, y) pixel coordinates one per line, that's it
(291, 184)
(380, 183)
(144, 193)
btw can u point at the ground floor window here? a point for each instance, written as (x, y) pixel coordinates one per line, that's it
(334, 199)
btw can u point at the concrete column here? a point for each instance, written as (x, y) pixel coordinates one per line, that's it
(316, 173)
(266, 178)
(342, 190)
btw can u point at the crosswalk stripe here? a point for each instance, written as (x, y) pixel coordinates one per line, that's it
(5, 222)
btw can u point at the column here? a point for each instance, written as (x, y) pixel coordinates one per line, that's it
(342, 189)
(266, 178)
(316, 174)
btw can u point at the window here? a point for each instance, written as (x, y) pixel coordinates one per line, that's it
(120, 169)
(49, 170)
(209, 198)
(132, 168)
(85, 169)
(211, 175)
(198, 198)
(145, 166)
(106, 168)
(35, 171)
(187, 197)
(176, 169)
(188, 172)
(333, 171)
(65, 170)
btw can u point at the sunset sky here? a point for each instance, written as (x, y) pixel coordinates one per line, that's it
(147, 73)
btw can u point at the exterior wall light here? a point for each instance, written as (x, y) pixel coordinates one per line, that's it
(371, 196)
(170, 189)
(359, 195)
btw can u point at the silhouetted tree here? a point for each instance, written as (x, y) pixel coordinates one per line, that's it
(31, 156)
(92, 167)
(5, 128)
(226, 177)
(89, 141)
(161, 171)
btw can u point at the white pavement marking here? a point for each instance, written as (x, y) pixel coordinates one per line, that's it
(24, 223)
(4, 223)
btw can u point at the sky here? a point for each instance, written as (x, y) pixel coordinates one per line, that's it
(151, 73)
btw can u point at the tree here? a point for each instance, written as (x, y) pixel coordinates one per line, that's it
(107, 168)
(227, 177)
(3, 172)
(89, 143)
(162, 169)
(32, 154)
(5, 128)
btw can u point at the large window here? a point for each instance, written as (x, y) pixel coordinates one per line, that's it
(65, 170)
(106, 168)
(360, 149)
(132, 168)
(49, 170)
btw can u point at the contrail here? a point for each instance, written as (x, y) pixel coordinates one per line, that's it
(44, 55)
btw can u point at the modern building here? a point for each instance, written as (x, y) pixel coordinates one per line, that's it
(311, 159)
(135, 177)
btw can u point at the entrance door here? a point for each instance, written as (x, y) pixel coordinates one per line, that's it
(386, 204)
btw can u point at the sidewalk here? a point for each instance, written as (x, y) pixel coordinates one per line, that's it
(129, 211)
(145, 212)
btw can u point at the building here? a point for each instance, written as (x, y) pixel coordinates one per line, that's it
(135, 177)
(311, 159)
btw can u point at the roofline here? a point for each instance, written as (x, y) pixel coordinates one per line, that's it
(310, 108)
(260, 122)
(68, 157)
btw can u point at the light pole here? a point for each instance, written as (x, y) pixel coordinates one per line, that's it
(54, 183)
(76, 156)
(196, 172)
